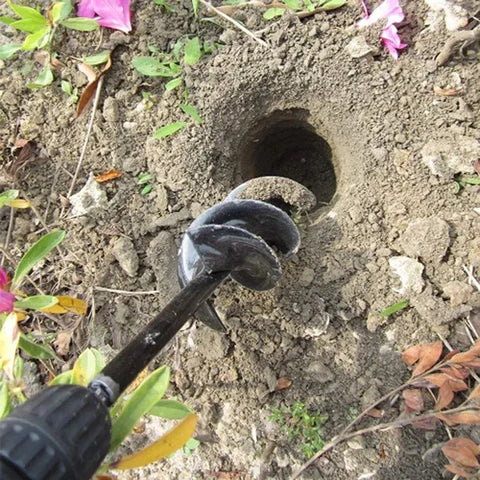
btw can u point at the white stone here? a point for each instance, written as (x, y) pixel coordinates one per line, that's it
(410, 273)
(90, 197)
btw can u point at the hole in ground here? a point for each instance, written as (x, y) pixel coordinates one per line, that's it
(285, 144)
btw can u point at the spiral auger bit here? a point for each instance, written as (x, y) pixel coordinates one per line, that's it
(63, 433)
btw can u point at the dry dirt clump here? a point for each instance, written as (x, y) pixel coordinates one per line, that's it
(393, 144)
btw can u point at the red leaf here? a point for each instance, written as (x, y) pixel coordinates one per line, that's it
(429, 356)
(107, 176)
(461, 455)
(412, 354)
(445, 396)
(458, 471)
(468, 417)
(413, 400)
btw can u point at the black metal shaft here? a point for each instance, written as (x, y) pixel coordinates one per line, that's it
(125, 367)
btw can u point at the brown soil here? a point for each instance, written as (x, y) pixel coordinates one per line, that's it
(371, 116)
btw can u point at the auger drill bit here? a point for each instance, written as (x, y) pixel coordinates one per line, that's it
(63, 433)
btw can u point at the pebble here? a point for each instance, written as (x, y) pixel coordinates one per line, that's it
(89, 198)
(320, 371)
(457, 292)
(358, 47)
(126, 255)
(427, 238)
(306, 277)
(110, 110)
(410, 273)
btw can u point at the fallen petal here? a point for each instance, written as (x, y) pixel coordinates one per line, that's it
(114, 14)
(86, 9)
(391, 40)
(388, 9)
(3, 277)
(6, 301)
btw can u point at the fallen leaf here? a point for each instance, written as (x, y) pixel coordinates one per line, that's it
(425, 424)
(55, 309)
(437, 379)
(88, 71)
(458, 471)
(446, 92)
(456, 372)
(445, 396)
(463, 357)
(375, 413)
(475, 393)
(462, 442)
(413, 400)
(468, 417)
(411, 355)
(429, 356)
(19, 203)
(62, 343)
(89, 91)
(283, 383)
(107, 176)
(72, 304)
(460, 454)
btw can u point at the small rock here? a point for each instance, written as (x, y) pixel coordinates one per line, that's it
(306, 277)
(171, 220)
(126, 255)
(356, 443)
(474, 253)
(89, 198)
(374, 321)
(457, 292)
(110, 110)
(447, 157)
(356, 215)
(370, 396)
(320, 371)
(410, 273)
(211, 344)
(358, 47)
(427, 238)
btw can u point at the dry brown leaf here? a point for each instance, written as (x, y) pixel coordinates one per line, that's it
(462, 442)
(413, 400)
(446, 92)
(463, 357)
(412, 354)
(450, 354)
(89, 91)
(476, 166)
(107, 176)
(475, 393)
(458, 471)
(375, 413)
(437, 379)
(458, 385)
(88, 71)
(20, 142)
(475, 364)
(468, 417)
(425, 424)
(456, 372)
(461, 455)
(429, 356)
(283, 383)
(445, 396)
(62, 343)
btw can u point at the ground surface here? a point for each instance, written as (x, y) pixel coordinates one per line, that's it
(395, 147)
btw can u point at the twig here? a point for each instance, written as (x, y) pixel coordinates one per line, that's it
(383, 427)
(445, 342)
(87, 138)
(9, 233)
(472, 327)
(471, 279)
(234, 22)
(456, 38)
(127, 292)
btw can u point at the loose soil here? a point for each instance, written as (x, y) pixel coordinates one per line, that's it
(371, 117)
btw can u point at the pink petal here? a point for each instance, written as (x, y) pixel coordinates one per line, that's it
(3, 278)
(6, 301)
(391, 40)
(86, 9)
(114, 14)
(388, 9)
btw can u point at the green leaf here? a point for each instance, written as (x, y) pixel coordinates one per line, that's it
(64, 378)
(66, 87)
(29, 25)
(144, 178)
(195, 4)
(152, 67)
(192, 443)
(18, 368)
(273, 12)
(150, 391)
(146, 190)
(36, 253)
(172, 84)
(36, 302)
(470, 180)
(44, 79)
(80, 23)
(169, 409)
(189, 110)
(5, 405)
(169, 129)
(26, 12)
(192, 51)
(7, 20)
(97, 58)
(8, 50)
(35, 350)
(176, 49)
(292, 4)
(309, 5)
(164, 4)
(85, 368)
(61, 10)
(99, 360)
(334, 4)
(35, 40)
(394, 308)
(7, 196)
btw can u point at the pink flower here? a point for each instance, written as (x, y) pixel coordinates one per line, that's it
(108, 13)
(6, 298)
(393, 13)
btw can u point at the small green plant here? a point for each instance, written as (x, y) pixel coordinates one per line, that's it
(396, 307)
(40, 30)
(144, 180)
(301, 426)
(70, 91)
(190, 446)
